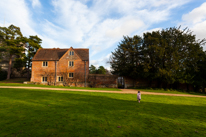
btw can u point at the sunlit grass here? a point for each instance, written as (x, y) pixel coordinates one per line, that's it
(26, 112)
(67, 87)
(171, 91)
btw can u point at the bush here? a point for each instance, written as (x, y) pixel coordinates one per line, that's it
(3, 75)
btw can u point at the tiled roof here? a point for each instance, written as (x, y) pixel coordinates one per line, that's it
(83, 53)
(56, 54)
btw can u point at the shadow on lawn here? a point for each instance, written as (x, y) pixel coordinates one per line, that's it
(35, 113)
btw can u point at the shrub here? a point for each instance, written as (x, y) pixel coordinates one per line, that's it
(3, 75)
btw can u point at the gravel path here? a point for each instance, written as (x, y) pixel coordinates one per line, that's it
(124, 91)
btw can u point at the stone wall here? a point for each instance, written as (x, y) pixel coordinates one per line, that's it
(102, 80)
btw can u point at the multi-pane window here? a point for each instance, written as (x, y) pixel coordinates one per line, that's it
(71, 63)
(45, 64)
(71, 53)
(60, 79)
(71, 75)
(44, 79)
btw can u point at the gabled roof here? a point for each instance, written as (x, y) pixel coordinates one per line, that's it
(83, 53)
(56, 54)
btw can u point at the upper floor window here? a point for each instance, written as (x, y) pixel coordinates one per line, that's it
(45, 64)
(60, 79)
(44, 79)
(71, 53)
(71, 75)
(71, 63)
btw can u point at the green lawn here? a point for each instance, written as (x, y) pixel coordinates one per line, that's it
(26, 112)
(32, 85)
(172, 91)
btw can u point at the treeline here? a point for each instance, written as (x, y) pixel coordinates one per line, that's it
(94, 70)
(14, 45)
(169, 57)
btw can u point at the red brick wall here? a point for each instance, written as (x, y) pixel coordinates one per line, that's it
(63, 68)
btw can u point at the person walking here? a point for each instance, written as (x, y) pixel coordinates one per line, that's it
(139, 96)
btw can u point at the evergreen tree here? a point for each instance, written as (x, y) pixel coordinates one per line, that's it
(101, 70)
(126, 60)
(12, 37)
(13, 43)
(171, 55)
(92, 69)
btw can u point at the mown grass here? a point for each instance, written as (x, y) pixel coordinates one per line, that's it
(171, 91)
(47, 86)
(26, 112)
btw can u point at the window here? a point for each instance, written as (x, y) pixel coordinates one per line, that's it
(71, 53)
(71, 75)
(45, 64)
(44, 79)
(60, 79)
(71, 63)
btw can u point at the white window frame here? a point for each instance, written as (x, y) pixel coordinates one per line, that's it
(60, 79)
(71, 53)
(45, 64)
(71, 63)
(44, 79)
(71, 75)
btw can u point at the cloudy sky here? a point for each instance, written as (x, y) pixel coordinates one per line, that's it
(100, 24)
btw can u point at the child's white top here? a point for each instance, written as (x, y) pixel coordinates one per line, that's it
(138, 95)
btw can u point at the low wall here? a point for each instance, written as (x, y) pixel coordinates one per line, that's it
(102, 80)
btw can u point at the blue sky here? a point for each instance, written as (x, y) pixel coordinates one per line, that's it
(100, 24)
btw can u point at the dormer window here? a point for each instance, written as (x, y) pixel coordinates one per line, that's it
(44, 63)
(71, 53)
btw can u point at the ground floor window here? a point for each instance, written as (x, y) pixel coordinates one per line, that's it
(44, 79)
(71, 75)
(60, 79)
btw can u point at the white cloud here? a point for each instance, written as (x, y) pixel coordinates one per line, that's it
(98, 25)
(17, 13)
(196, 21)
(197, 15)
(35, 3)
(101, 25)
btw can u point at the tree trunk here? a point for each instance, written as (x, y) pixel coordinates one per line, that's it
(9, 67)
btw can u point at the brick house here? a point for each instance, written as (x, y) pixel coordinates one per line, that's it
(60, 66)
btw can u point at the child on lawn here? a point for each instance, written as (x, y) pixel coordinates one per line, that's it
(139, 96)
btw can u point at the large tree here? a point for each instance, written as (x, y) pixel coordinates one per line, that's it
(126, 60)
(12, 37)
(14, 43)
(171, 55)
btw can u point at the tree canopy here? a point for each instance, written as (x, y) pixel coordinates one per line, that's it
(94, 70)
(167, 56)
(14, 43)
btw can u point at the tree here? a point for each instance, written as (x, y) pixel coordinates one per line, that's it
(126, 60)
(13, 43)
(200, 75)
(101, 70)
(92, 69)
(171, 55)
(12, 37)
(32, 45)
